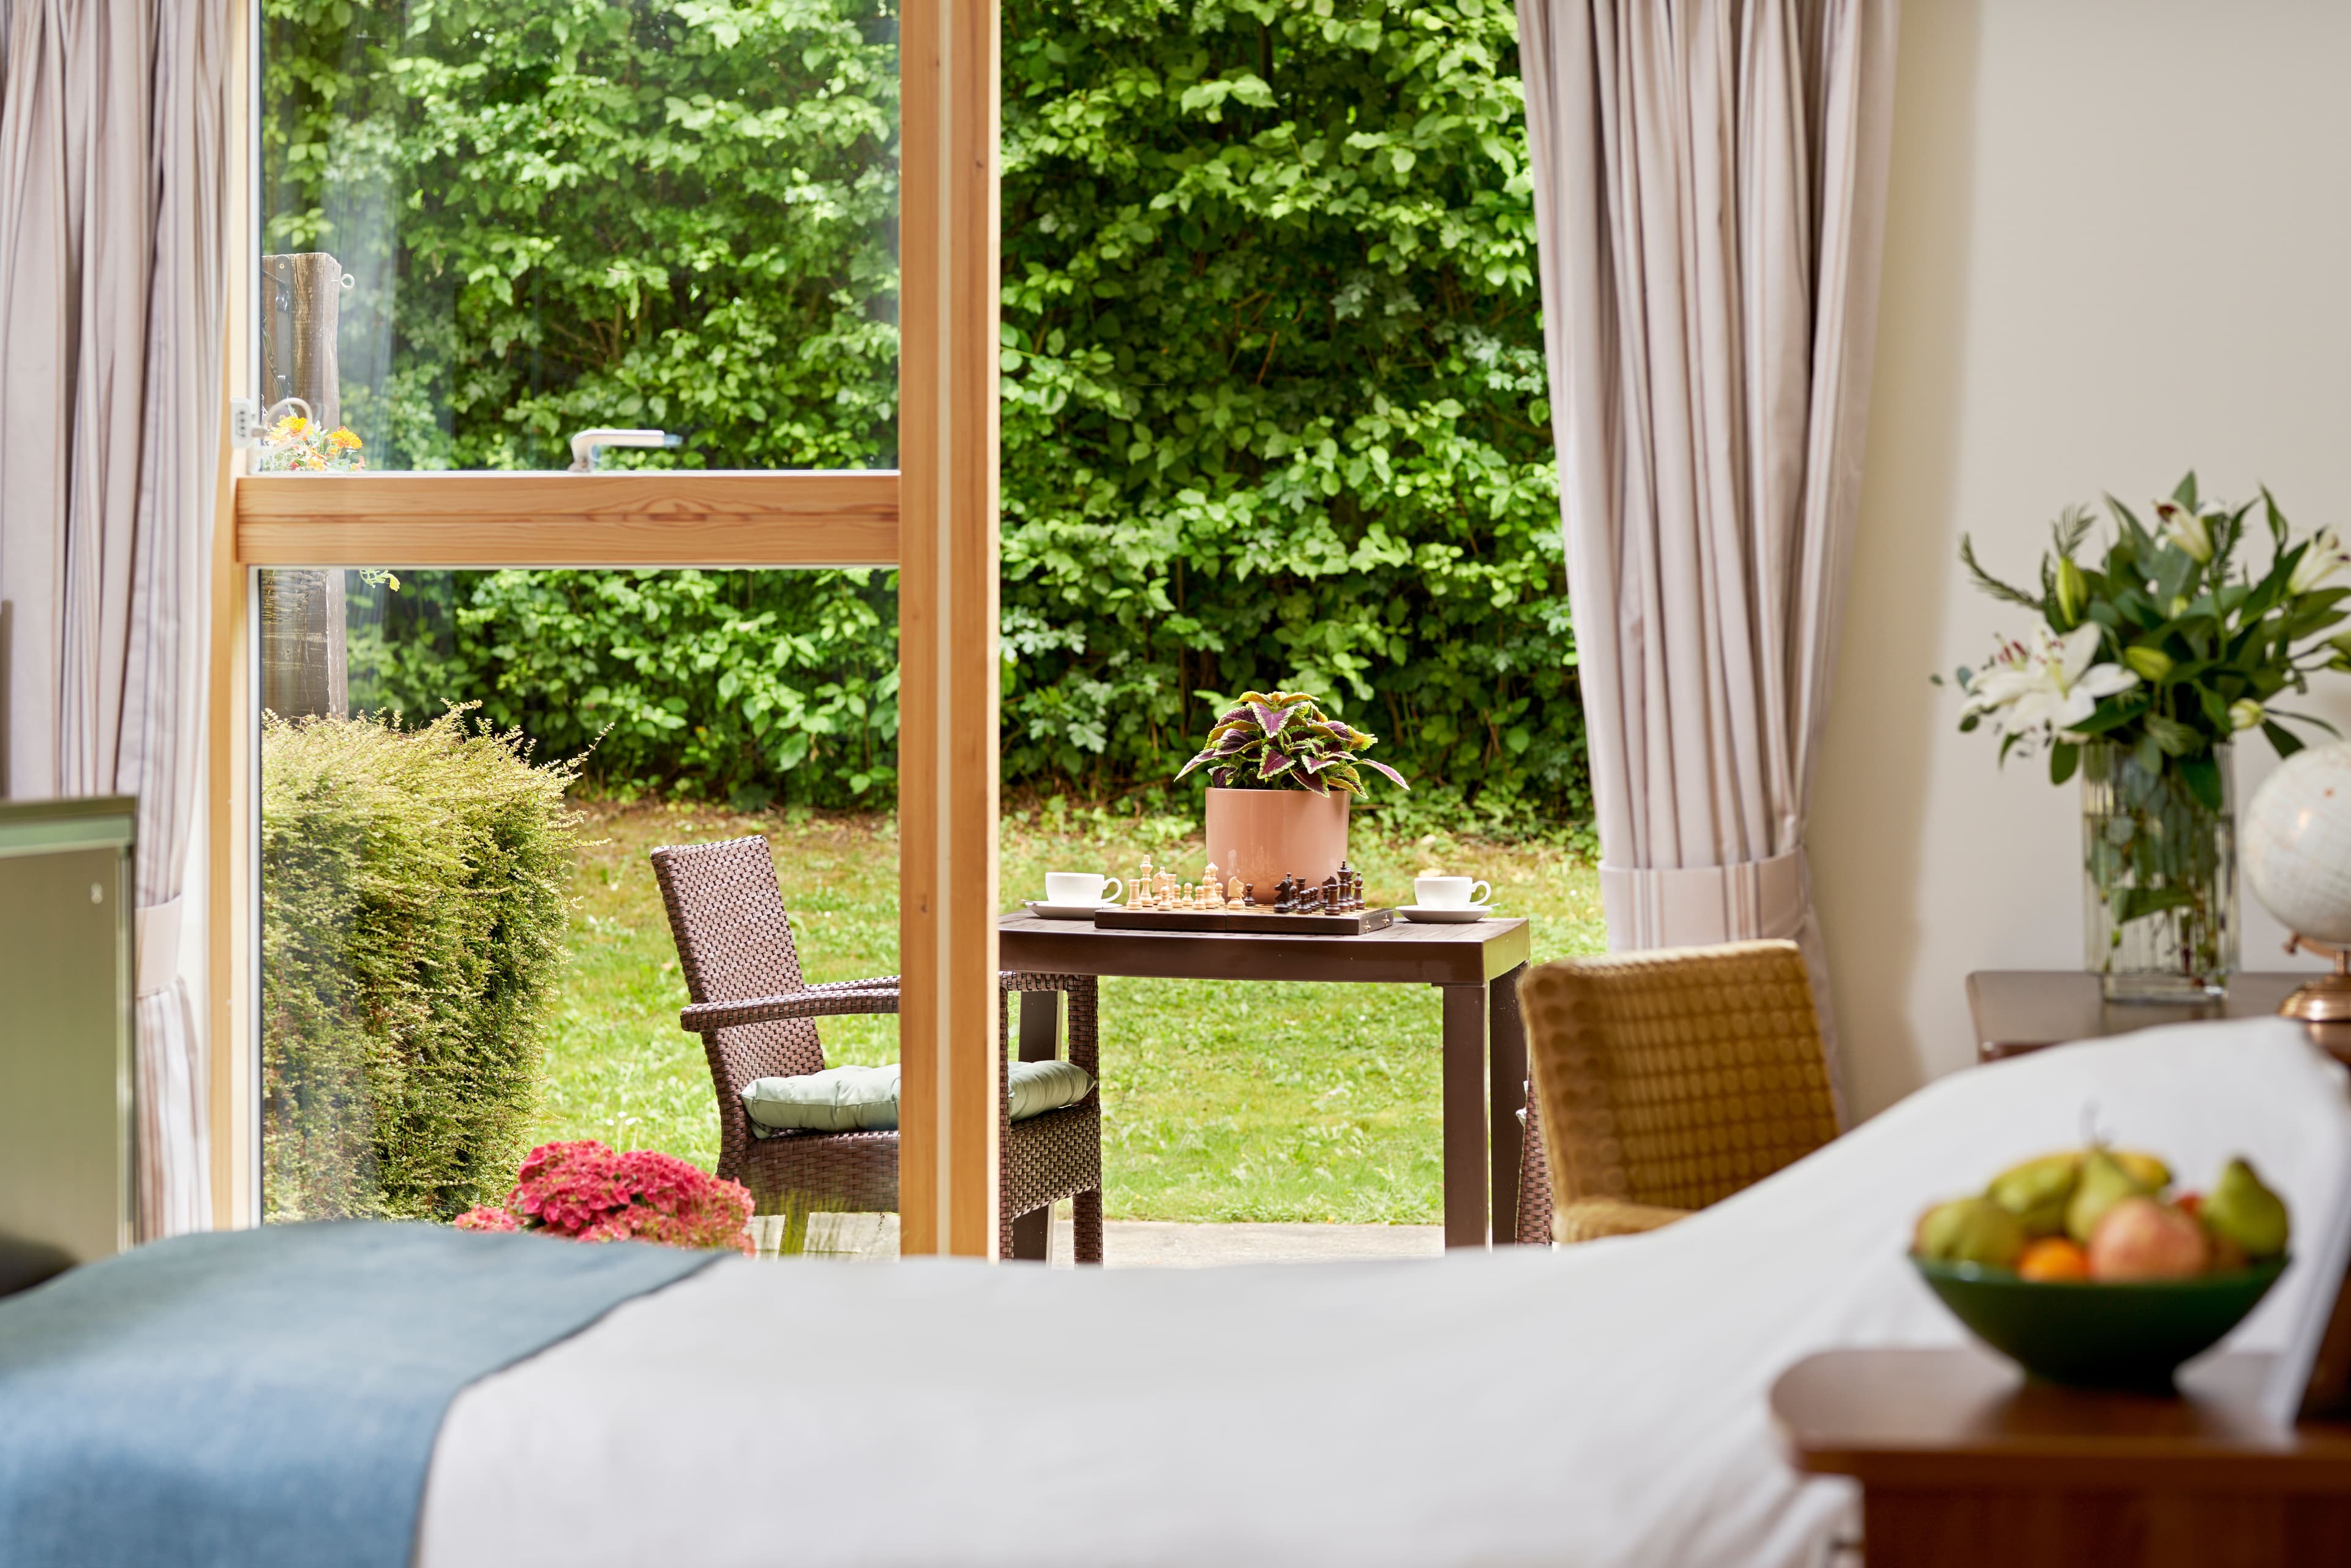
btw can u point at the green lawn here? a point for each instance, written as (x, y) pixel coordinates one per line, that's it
(1223, 1103)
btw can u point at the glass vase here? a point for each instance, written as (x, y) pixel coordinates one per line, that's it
(2159, 879)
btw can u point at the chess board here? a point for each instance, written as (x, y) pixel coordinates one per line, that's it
(1259, 921)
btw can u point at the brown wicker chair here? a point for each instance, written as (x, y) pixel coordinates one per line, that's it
(1665, 1080)
(757, 1016)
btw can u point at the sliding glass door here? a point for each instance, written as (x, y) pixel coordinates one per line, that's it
(574, 342)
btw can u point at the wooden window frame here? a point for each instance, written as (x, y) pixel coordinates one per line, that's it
(935, 520)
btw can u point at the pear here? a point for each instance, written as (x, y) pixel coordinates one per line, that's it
(2151, 1174)
(2103, 1183)
(2241, 1210)
(2036, 1191)
(1971, 1230)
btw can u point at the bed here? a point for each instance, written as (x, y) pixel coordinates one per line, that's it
(1602, 1404)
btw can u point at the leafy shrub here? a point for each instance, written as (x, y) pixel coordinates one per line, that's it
(413, 886)
(733, 684)
(1275, 410)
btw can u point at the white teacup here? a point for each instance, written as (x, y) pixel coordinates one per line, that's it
(1451, 892)
(1079, 887)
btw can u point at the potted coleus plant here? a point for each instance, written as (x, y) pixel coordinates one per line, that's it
(1281, 775)
(2151, 656)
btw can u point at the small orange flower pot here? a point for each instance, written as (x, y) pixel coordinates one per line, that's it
(1262, 835)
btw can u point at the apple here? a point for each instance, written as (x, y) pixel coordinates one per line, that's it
(2143, 1239)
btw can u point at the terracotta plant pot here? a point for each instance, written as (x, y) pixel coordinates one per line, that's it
(1262, 835)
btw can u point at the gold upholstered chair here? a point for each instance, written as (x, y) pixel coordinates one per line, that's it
(1663, 1082)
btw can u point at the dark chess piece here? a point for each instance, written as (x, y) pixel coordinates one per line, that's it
(1346, 887)
(1248, 895)
(1331, 894)
(1282, 904)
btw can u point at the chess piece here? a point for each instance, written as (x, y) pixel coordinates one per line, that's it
(1331, 903)
(1165, 888)
(1210, 883)
(1248, 895)
(1233, 894)
(1190, 900)
(1282, 899)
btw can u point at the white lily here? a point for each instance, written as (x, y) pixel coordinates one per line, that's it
(2183, 527)
(2322, 560)
(2050, 685)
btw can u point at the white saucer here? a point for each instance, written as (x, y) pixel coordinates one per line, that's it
(1433, 916)
(1066, 911)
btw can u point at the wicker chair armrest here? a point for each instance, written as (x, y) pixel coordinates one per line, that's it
(1025, 980)
(873, 982)
(703, 1017)
(1591, 1218)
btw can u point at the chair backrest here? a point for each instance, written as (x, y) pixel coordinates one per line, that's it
(1676, 1077)
(735, 944)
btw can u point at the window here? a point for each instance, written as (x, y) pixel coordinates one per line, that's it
(485, 229)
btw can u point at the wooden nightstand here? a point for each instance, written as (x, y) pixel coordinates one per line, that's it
(2017, 1010)
(1963, 1463)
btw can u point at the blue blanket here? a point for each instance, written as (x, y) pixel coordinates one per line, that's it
(271, 1396)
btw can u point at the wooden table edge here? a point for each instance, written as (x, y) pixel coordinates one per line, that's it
(2306, 1459)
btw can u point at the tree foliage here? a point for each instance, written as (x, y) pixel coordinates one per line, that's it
(1274, 407)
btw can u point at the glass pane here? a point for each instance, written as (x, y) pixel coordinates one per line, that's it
(463, 952)
(488, 226)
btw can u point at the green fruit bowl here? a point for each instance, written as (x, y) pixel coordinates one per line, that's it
(2099, 1335)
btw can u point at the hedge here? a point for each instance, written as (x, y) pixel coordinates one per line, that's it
(1274, 403)
(413, 887)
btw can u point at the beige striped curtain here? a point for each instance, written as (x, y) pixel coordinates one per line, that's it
(1709, 198)
(113, 172)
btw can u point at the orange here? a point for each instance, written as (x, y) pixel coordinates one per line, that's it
(2053, 1258)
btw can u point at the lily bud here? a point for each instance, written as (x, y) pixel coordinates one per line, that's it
(2150, 663)
(2322, 560)
(2185, 528)
(2244, 714)
(2072, 592)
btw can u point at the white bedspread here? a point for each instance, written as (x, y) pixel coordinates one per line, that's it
(1601, 1405)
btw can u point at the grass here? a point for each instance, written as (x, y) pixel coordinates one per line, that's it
(1266, 1101)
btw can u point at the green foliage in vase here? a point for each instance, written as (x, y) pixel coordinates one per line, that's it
(1283, 740)
(2168, 644)
(1274, 399)
(2146, 661)
(414, 892)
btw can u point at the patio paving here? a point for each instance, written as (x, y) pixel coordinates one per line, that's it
(1158, 1244)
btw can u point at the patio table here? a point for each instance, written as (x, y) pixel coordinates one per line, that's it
(1474, 966)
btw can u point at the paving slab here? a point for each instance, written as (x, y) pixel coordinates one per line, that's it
(1143, 1243)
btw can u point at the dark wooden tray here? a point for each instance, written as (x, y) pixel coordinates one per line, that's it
(1251, 919)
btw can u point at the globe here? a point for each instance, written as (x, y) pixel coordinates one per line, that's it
(2295, 843)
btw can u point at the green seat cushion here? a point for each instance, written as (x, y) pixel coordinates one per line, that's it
(1037, 1087)
(865, 1098)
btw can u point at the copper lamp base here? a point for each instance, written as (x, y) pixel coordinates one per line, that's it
(2327, 999)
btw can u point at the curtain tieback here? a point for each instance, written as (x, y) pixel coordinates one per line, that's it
(158, 934)
(1697, 906)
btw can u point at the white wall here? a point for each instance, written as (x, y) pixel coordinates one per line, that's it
(2118, 246)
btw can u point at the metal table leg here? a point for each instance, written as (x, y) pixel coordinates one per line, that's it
(1508, 1096)
(1465, 1114)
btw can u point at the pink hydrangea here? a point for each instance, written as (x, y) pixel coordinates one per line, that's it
(585, 1191)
